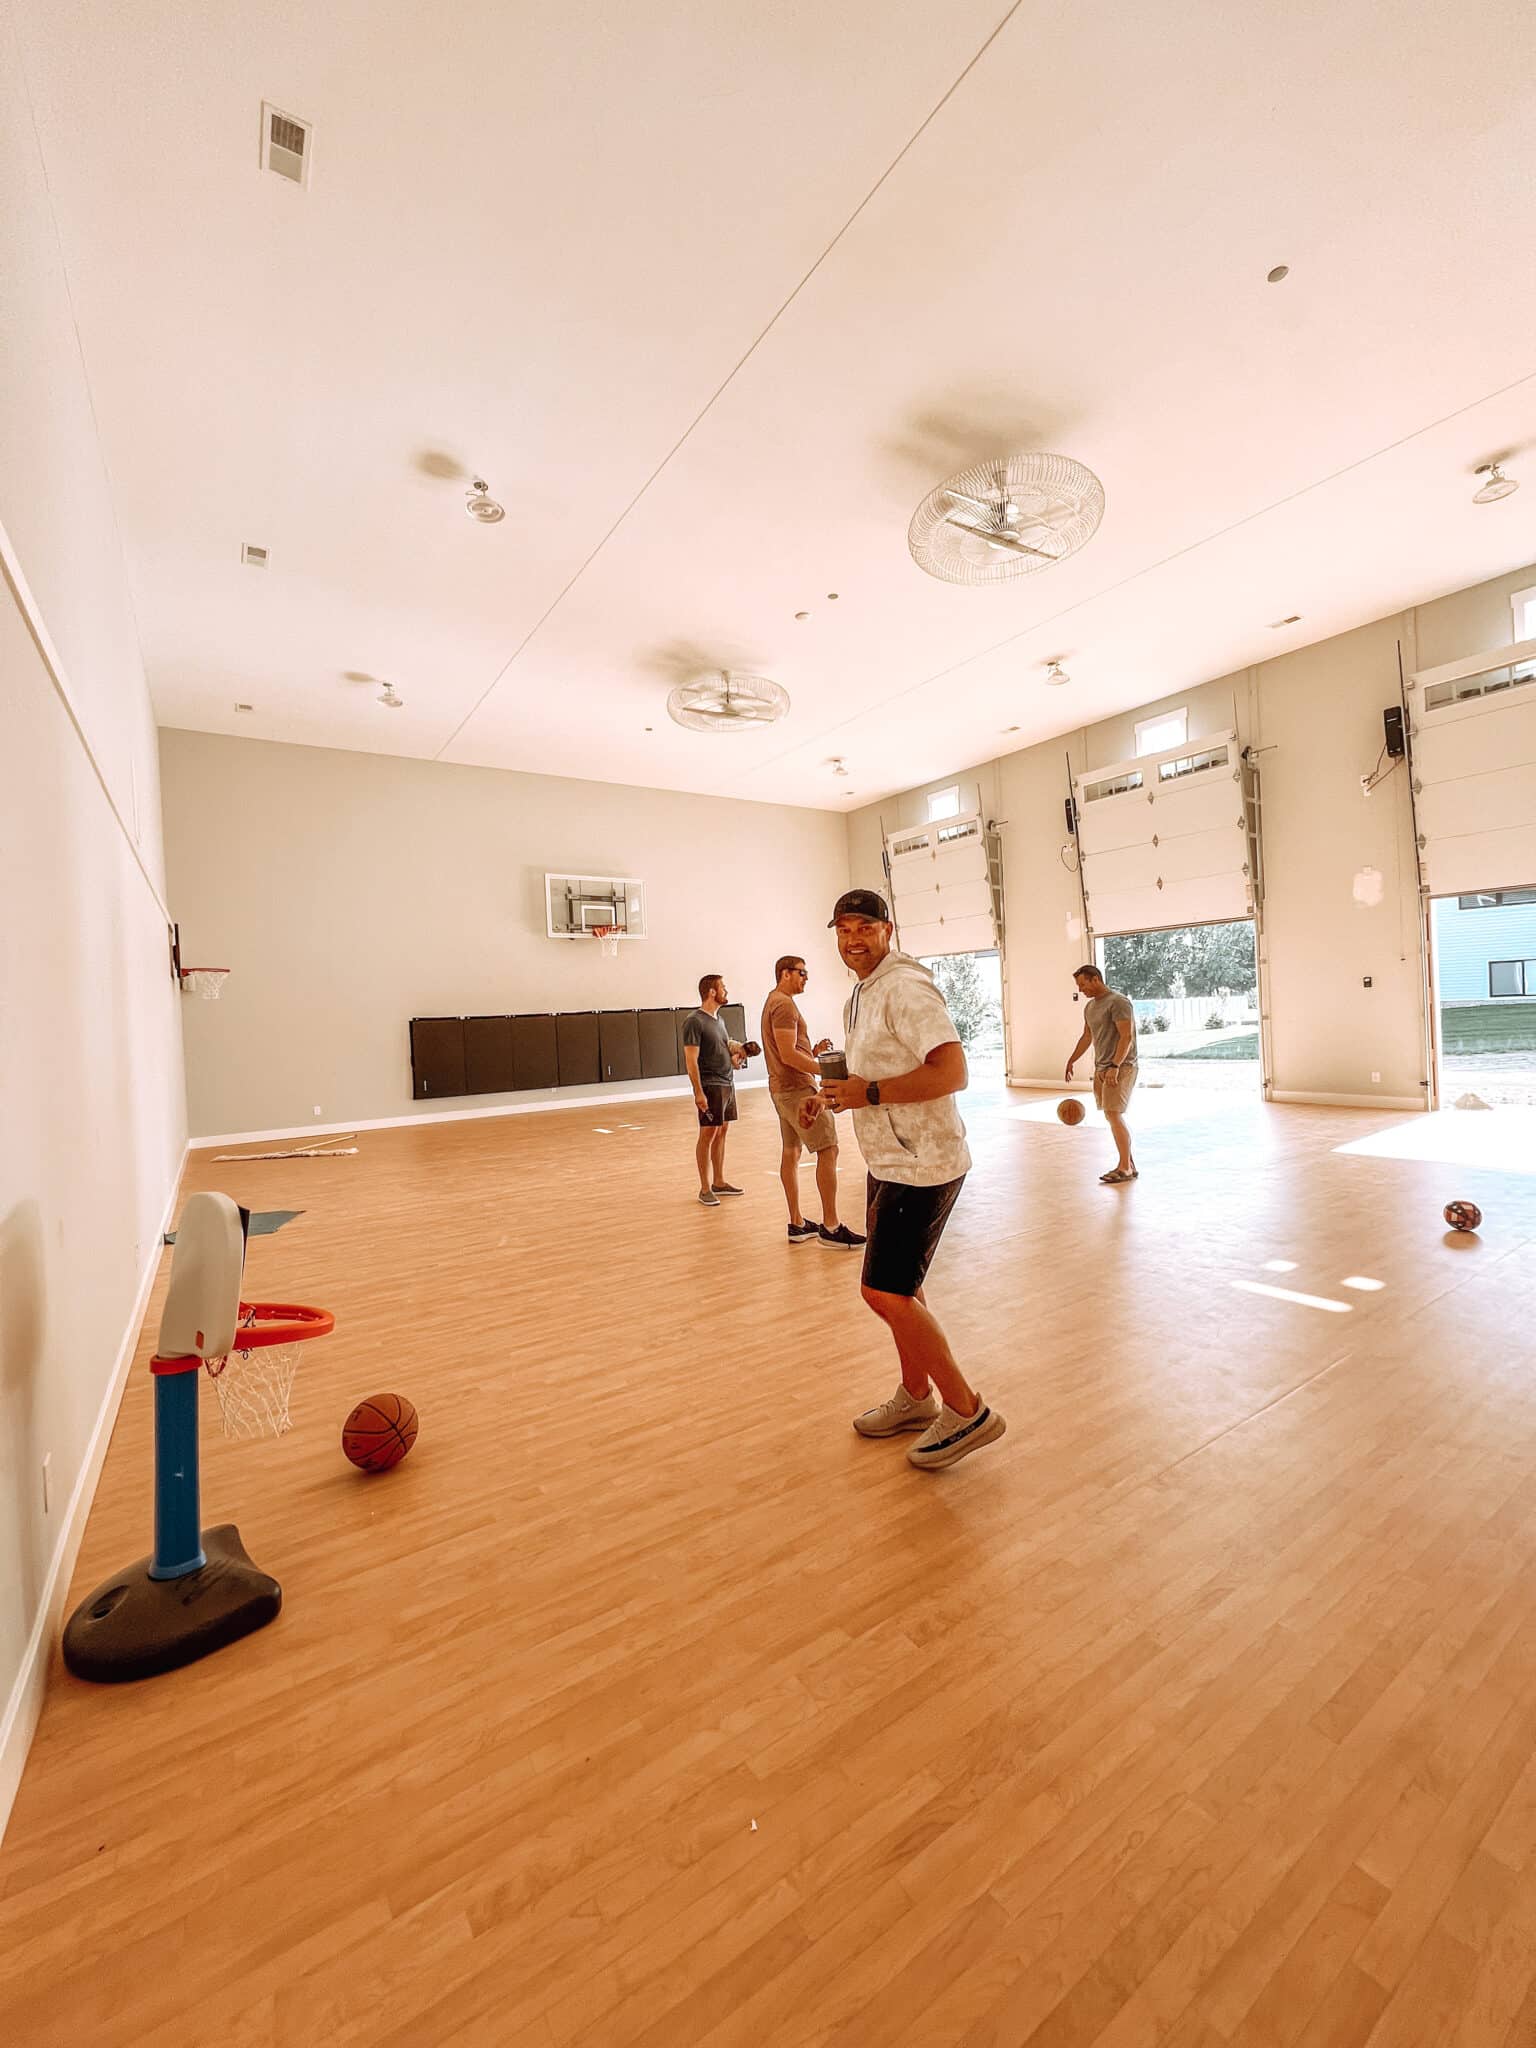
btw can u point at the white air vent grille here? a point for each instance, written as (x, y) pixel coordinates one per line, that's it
(285, 145)
(253, 556)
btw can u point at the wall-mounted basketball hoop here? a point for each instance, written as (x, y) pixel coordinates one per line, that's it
(607, 936)
(207, 982)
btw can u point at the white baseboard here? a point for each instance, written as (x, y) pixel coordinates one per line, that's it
(25, 1705)
(556, 1098)
(1348, 1101)
(1056, 1087)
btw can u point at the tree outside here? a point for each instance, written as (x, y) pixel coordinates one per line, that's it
(1200, 960)
(973, 999)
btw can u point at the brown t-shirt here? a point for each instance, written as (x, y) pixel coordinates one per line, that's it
(783, 1010)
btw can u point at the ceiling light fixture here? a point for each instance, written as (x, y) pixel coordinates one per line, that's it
(1006, 518)
(481, 506)
(389, 697)
(838, 765)
(1498, 485)
(1055, 673)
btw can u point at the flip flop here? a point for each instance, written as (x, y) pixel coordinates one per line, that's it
(1118, 1177)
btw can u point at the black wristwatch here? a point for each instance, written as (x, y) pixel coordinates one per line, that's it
(872, 1093)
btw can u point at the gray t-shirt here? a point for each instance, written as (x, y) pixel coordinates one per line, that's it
(714, 1043)
(1103, 1017)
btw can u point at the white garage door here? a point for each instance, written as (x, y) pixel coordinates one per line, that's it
(1473, 726)
(1165, 839)
(941, 890)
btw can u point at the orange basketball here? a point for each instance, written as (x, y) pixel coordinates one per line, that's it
(379, 1432)
(1070, 1110)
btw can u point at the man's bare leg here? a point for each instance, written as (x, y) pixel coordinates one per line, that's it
(717, 1156)
(702, 1153)
(826, 1185)
(1119, 1130)
(789, 1180)
(923, 1349)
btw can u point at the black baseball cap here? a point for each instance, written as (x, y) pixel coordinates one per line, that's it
(860, 903)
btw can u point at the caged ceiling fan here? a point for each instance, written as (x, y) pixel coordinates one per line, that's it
(726, 701)
(1010, 517)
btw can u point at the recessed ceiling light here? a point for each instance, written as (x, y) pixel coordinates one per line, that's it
(802, 615)
(245, 707)
(1055, 673)
(1279, 274)
(481, 506)
(1290, 619)
(1498, 485)
(831, 597)
(650, 728)
(1010, 728)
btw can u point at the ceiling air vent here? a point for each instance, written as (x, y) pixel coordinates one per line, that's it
(285, 144)
(253, 556)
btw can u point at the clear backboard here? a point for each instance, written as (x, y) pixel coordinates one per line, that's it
(579, 905)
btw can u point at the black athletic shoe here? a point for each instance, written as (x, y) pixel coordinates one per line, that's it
(840, 1240)
(803, 1233)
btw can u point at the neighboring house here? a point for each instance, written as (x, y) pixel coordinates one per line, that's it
(1486, 947)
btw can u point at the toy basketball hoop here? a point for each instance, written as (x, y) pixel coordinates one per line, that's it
(608, 936)
(207, 982)
(254, 1378)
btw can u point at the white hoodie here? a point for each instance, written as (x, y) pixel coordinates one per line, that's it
(892, 1022)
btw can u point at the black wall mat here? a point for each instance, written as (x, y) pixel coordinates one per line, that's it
(658, 1044)
(734, 1018)
(534, 1061)
(680, 1018)
(437, 1056)
(618, 1045)
(488, 1055)
(577, 1046)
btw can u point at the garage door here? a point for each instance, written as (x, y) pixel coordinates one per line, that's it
(1473, 735)
(941, 891)
(1167, 840)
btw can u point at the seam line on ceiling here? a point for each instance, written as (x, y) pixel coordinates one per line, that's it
(730, 377)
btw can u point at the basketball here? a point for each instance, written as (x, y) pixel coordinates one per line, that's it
(1463, 1215)
(379, 1432)
(1070, 1110)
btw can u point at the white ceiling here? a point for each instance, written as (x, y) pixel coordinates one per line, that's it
(713, 294)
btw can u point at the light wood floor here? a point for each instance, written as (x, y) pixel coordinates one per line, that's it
(1199, 1710)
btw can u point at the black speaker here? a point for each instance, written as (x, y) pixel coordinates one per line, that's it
(1392, 721)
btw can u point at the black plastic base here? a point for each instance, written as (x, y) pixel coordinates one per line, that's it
(134, 1626)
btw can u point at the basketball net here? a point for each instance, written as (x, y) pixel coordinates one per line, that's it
(253, 1389)
(608, 936)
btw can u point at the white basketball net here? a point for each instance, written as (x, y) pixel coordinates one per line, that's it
(607, 936)
(207, 982)
(253, 1389)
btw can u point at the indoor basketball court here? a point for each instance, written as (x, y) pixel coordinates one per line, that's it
(768, 1169)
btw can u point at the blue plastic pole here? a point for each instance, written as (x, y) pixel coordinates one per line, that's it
(178, 1504)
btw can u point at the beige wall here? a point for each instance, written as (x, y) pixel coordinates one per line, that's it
(350, 892)
(1316, 716)
(91, 1105)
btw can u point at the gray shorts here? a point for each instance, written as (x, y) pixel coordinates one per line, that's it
(1112, 1091)
(822, 1135)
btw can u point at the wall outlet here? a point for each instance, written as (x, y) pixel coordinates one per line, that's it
(47, 1480)
(317, 1109)
(1377, 1079)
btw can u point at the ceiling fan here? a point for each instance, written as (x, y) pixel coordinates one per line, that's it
(726, 701)
(1006, 518)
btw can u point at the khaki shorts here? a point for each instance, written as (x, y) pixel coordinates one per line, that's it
(822, 1135)
(1112, 1091)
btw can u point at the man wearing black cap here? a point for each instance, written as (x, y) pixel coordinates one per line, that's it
(905, 1068)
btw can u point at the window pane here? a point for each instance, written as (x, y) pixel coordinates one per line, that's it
(1505, 978)
(944, 803)
(1171, 730)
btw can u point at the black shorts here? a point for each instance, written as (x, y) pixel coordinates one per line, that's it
(721, 1098)
(904, 1225)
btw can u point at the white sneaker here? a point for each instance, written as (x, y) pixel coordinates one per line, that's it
(899, 1413)
(953, 1437)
